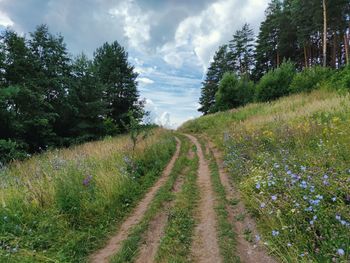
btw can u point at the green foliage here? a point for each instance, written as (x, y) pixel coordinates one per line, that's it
(340, 80)
(216, 70)
(118, 77)
(310, 79)
(275, 83)
(10, 150)
(233, 92)
(241, 56)
(49, 100)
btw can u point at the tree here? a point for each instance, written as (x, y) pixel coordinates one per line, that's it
(117, 75)
(242, 50)
(216, 70)
(87, 109)
(275, 83)
(233, 92)
(324, 33)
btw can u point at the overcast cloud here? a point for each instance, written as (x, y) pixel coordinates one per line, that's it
(170, 42)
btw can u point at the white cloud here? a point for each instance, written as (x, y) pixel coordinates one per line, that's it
(5, 20)
(145, 81)
(203, 33)
(136, 22)
(160, 118)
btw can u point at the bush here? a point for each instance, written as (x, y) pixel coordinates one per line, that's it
(340, 80)
(310, 79)
(233, 92)
(276, 82)
(10, 150)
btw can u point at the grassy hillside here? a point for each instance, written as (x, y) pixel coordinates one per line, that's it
(291, 161)
(57, 207)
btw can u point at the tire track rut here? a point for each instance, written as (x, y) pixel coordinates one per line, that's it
(113, 245)
(205, 247)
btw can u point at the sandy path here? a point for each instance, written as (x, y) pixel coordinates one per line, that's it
(156, 228)
(248, 252)
(205, 246)
(115, 242)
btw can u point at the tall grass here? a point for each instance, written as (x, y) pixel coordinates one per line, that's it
(58, 206)
(291, 161)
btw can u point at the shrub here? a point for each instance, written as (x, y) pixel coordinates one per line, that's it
(310, 79)
(233, 92)
(10, 150)
(340, 80)
(276, 82)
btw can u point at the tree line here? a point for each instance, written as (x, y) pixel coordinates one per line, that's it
(49, 99)
(295, 36)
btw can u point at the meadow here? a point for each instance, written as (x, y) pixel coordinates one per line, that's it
(60, 206)
(291, 161)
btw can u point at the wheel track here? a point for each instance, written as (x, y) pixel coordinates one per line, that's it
(205, 246)
(113, 245)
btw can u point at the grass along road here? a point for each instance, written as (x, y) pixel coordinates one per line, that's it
(114, 243)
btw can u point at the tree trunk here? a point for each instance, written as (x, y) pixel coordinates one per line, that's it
(334, 56)
(324, 33)
(346, 46)
(305, 57)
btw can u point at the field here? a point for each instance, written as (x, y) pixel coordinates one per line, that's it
(60, 206)
(291, 162)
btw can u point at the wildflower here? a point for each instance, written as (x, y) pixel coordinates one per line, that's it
(262, 205)
(303, 184)
(257, 186)
(274, 197)
(257, 238)
(334, 199)
(289, 172)
(303, 168)
(311, 222)
(302, 254)
(320, 197)
(343, 222)
(289, 245)
(275, 233)
(315, 217)
(341, 252)
(338, 217)
(276, 165)
(87, 180)
(325, 176)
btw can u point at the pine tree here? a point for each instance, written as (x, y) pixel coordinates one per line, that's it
(216, 70)
(119, 79)
(242, 50)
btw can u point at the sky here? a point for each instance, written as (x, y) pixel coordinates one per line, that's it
(170, 42)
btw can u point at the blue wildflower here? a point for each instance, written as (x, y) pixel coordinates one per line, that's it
(341, 252)
(257, 186)
(334, 199)
(274, 197)
(275, 233)
(262, 205)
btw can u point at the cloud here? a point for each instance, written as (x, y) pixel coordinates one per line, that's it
(202, 34)
(5, 21)
(170, 42)
(145, 81)
(136, 22)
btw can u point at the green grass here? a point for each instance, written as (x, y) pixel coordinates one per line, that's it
(61, 205)
(291, 161)
(226, 234)
(176, 243)
(131, 245)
